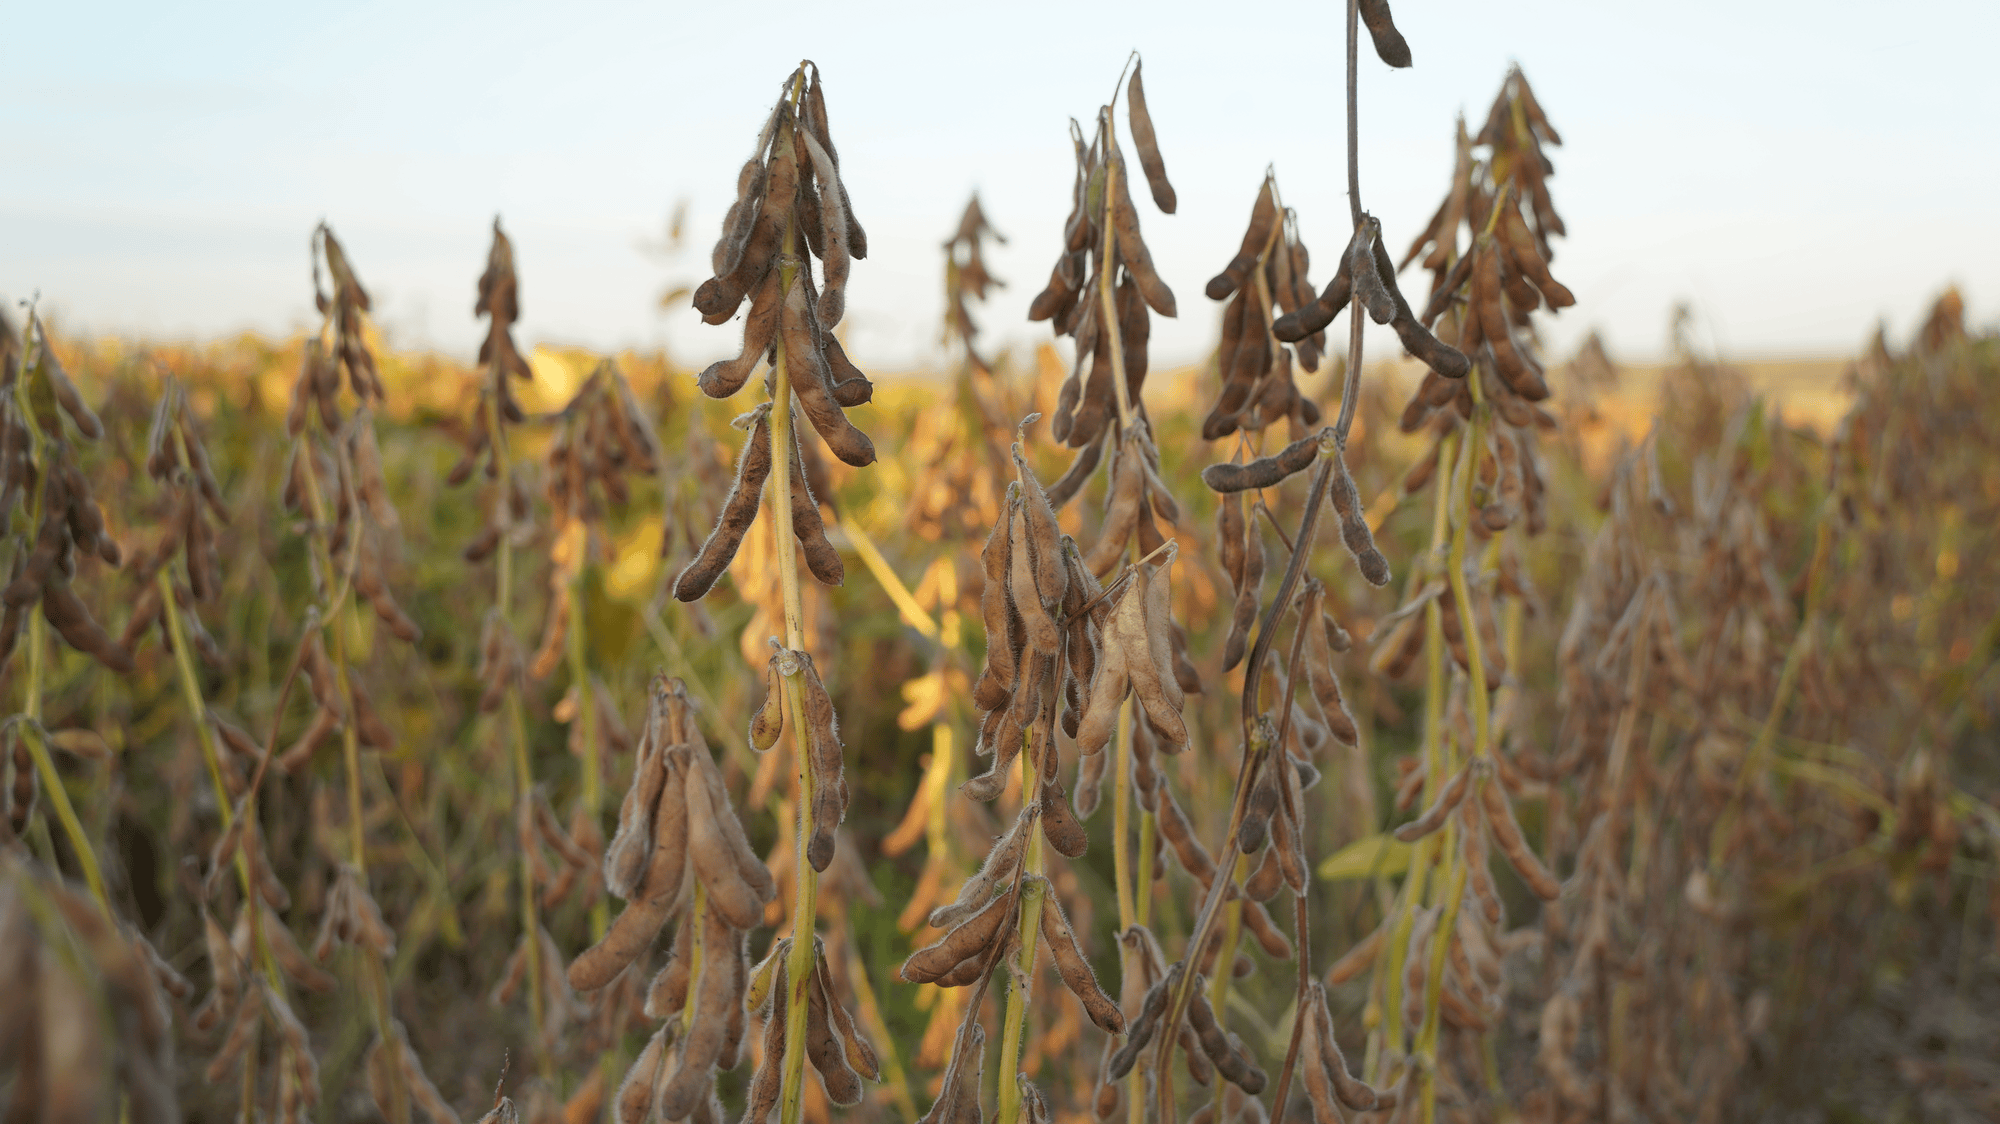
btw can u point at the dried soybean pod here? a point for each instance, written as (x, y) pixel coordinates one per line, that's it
(1179, 834)
(1263, 214)
(996, 608)
(1247, 592)
(769, 721)
(1507, 833)
(834, 252)
(1089, 783)
(1439, 356)
(851, 387)
(1446, 289)
(1131, 248)
(1264, 472)
(1472, 841)
(749, 868)
(958, 1096)
(1001, 861)
(825, 1050)
(1074, 969)
(1152, 685)
(1141, 1028)
(739, 510)
(1229, 536)
(1354, 532)
(1520, 244)
(1369, 283)
(1295, 326)
(824, 757)
(1352, 1091)
(1107, 692)
(966, 939)
(729, 894)
(725, 377)
(1059, 824)
(807, 525)
(1257, 810)
(1229, 1058)
(1263, 883)
(630, 932)
(1389, 43)
(860, 1052)
(766, 1083)
(812, 383)
(1435, 816)
(1312, 1067)
(1025, 572)
(1128, 487)
(1141, 121)
(1073, 478)
(667, 993)
(1517, 368)
(695, 1076)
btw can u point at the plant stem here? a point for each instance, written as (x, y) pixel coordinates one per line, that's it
(1015, 1022)
(802, 960)
(45, 765)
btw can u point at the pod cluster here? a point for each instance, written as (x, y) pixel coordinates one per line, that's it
(1266, 279)
(1205, 1045)
(678, 832)
(1073, 301)
(840, 1054)
(70, 522)
(1486, 295)
(966, 277)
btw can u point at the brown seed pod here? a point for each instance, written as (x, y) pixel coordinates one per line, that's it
(958, 1096)
(1248, 594)
(725, 377)
(1354, 532)
(1001, 862)
(1074, 969)
(1132, 252)
(1309, 319)
(1263, 216)
(1516, 366)
(739, 510)
(1389, 43)
(1435, 816)
(968, 939)
(1141, 121)
(1264, 472)
(1507, 834)
(1121, 517)
(1222, 1048)
(1059, 825)
(812, 379)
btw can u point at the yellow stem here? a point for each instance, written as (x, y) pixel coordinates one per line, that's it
(784, 446)
(1015, 1024)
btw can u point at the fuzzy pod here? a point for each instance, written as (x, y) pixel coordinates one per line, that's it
(1001, 861)
(769, 720)
(808, 527)
(1369, 283)
(1354, 532)
(725, 377)
(1243, 613)
(1263, 216)
(1507, 836)
(1390, 45)
(736, 854)
(1312, 318)
(1518, 369)
(1222, 1048)
(1141, 120)
(1138, 261)
(1434, 817)
(970, 938)
(739, 511)
(1264, 472)
(1121, 516)
(812, 379)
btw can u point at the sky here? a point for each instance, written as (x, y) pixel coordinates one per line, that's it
(1795, 172)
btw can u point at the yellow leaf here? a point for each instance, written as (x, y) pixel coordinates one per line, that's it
(1365, 858)
(925, 695)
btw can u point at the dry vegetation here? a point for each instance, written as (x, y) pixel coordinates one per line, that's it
(394, 738)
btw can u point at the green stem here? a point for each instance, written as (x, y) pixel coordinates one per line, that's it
(45, 765)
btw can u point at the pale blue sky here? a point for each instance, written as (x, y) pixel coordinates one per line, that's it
(1794, 170)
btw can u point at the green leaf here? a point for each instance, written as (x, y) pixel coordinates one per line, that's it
(1366, 858)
